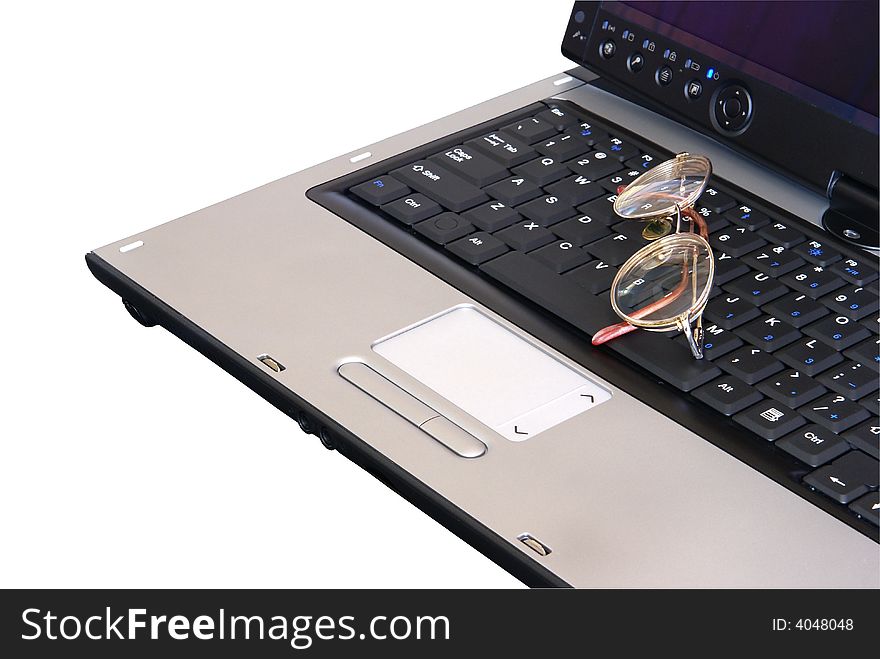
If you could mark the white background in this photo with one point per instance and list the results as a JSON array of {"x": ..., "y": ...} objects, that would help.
[{"x": 128, "y": 459}]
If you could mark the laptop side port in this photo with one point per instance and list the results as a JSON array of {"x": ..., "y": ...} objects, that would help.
[
  {"x": 271, "y": 364},
  {"x": 534, "y": 544}
]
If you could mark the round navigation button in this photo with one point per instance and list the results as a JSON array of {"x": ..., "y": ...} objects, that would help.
[
  {"x": 663, "y": 76},
  {"x": 731, "y": 109},
  {"x": 693, "y": 90},
  {"x": 636, "y": 62},
  {"x": 607, "y": 49}
]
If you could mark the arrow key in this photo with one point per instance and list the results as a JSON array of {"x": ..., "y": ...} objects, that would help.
[
  {"x": 865, "y": 437},
  {"x": 847, "y": 478},
  {"x": 868, "y": 507}
]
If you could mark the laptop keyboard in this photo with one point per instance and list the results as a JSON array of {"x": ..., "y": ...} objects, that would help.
[{"x": 792, "y": 323}]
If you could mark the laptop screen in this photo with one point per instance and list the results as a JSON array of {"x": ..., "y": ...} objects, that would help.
[{"x": 822, "y": 52}]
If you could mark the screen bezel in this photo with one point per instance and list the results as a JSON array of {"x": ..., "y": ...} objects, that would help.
[
  {"x": 847, "y": 148},
  {"x": 722, "y": 57}
]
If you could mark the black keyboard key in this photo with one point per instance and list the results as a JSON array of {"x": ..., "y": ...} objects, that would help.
[
  {"x": 558, "y": 118},
  {"x": 818, "y": 253},
  {"x": 617, "y": 148},
  {"x": 797, "y": 309},
  {"x": 716, "y": 341},
  {"x": 444, "y": 228},
  {"x": 595, "y": 276},
  {"x": 871, "y": 403},
  {"x": 530, "y": 130},
  {"x": 770, "y": 419},
  {"x": 380, "y": 190},
  {"x": 575, "y": 190},
  {"x": 471, "y": 165},
  {"x": 791, "y": 387},
  {"x": 714, "y": 222},
  {"x": 613, "y": 249},
  {"x": 847, "y": 478},
  {"x": 850, "y": 379},
  {"x": 546, "y": 210},
  {"x": 730, "y": 311},
  {"x": 561, "y": 256},
  {"x": 526, "y": 235},
  {"x": 813, "y": 445},
  {"x": 557, "y": 294},
  {"x": 749, "y": 364},
  {"x": 748, "y": 218},
  {"x": 587, "y": 133},
  {"x": 728, "y": 268},
  {"x": 727, "y": 394},
  {"x": 856, "y": 271},
  {"x": 810, "y": 356},
  {"x": 814, "y": 280},
  {"x": 506, "y": 150},
  {"x": 868, "y": 507},
  {"x": 612, "y": 183},
  {"x": 865, "y": 437},
  {"x": 643, "y": 163},
  {"x": 477, "y": 248},
  {"x": 514, "y": 190},
  {"x": 854, "y": 302},
  {"x": 562, "y": 147},
  {"x": 835, "y": 412},
  {"x": 717, "y": 201},
  {"x": 581, "y": 230},
  {"x": 783, "y": 234},
  {"x": 412, "y": 208},
  {"x": 756, "y": 288},
  {"x": 768, "y": 333},
  {"x": 594, "y": 165},
  {"x": 492, "y": 216},
  {"x": 601, "y": 210},
  {"x": 439, "y": 184},
  {"x": 736, "y": 241},
  {"x": 867, "y": 352},
  {"x": 542, "y": 171},
  {"x": 773, "y": 260},
  {"x": 666, "y": 359},
  {"x": 839, "y": 332}
]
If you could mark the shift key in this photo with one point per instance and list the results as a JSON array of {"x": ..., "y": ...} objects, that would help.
[{"x": 440, "y": 185}]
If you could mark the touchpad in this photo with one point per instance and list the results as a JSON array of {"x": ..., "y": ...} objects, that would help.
[{"x": 499, "y": 378}]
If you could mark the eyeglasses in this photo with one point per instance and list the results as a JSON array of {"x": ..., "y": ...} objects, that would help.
[{"x": 665, "y": 285}]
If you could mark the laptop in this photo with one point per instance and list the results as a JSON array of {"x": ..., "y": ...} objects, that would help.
[{"x": 431, "y": 314}]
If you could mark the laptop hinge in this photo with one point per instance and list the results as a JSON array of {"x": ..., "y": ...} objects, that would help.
[{"x": 853, "y": 212}]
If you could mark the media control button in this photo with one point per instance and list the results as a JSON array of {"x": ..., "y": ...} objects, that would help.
[
  {"x": 663, "y": 76},
  {"x": 694, "y": 89},
  {"x": 607, "y": 49},
  {"x": 636, "y": 62}
]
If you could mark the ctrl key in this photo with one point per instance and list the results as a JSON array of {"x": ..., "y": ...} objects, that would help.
[{"x": 847, "y": 478}]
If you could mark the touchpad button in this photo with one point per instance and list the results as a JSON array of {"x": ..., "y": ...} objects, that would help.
[{"x": 499, "y": 378}]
